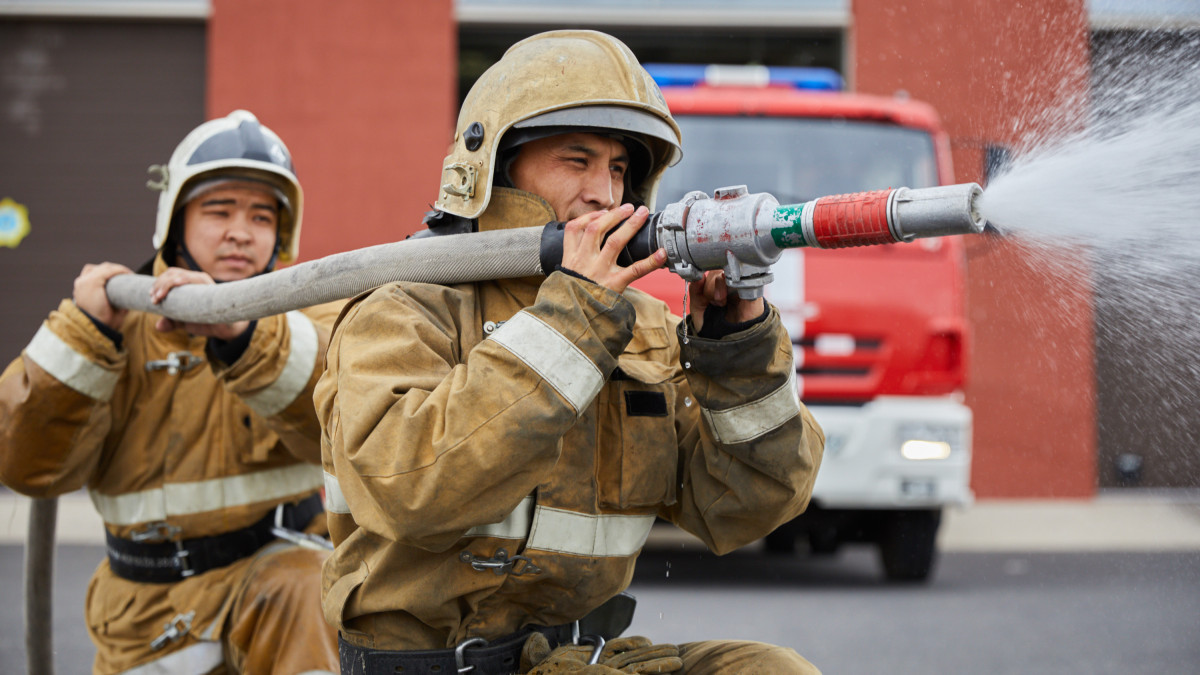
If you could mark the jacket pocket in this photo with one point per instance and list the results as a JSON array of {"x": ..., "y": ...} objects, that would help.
[
  {"x": 254, "y": 440},
  {"x": 109, "y": 598},
  {"x": 338, "y": 597},
  {"x": 638, "y": 456}
]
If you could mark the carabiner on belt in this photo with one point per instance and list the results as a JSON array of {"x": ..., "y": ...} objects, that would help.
[
  {"x": 596, "y": 641},
  {"x": 304, "y": 539}
]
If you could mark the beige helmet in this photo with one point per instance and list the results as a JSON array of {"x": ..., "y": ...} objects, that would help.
[
  {"x": 567, "y": 80},
  {"x": 232, "y": 148}
]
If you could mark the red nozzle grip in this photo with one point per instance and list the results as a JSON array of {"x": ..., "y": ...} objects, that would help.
[{"x": 857, "y": 219}]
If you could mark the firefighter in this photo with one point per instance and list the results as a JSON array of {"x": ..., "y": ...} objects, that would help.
[
  {"x": 197, "y": 444},
  {"x": 496, "y": 452}
]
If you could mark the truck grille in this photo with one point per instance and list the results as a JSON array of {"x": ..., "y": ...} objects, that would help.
[{"x": 849, "y": 370}]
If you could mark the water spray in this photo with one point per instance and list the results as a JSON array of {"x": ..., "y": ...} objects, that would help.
[{"x": 740, "y": 233}]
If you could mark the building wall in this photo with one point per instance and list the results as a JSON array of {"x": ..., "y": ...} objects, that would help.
[
  {"x": 363, "y": 94},
  {"x": 996, "y": 71},
  {"x": 85, "y": 108}
]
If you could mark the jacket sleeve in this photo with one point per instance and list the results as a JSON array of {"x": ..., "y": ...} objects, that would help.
[
  {"x": 749, "y": 450},
  {"x": 427, "y": 442},
  {"x": 276, "y": 374},
  {"x": 55, "y": 405}
]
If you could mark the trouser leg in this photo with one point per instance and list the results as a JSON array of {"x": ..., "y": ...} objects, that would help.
[
  {"x": 276, "y": 625},
  {"x": 738, "y": 657}
]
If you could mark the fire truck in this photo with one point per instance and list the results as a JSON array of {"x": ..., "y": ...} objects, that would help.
[{"x": 879, "y": 333}]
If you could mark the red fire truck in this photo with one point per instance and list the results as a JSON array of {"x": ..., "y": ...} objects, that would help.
[{"x": 880, "y": 332}]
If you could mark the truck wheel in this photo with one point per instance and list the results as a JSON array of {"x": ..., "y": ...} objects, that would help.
[
  {"x": 780, "y": 542},
  {"x": 908, "y": 544},
  {"x": 824, "y": 541}
]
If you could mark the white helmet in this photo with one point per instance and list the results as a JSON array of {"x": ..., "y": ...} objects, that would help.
[{"x": 232, "y": 147}]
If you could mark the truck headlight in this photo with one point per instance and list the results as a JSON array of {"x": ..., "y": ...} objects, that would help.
[
  {"x": 925, "y": 441},
  {"x": 916, "y": 450}
]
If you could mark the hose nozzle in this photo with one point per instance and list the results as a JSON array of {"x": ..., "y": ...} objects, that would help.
[{"x": 744, "y": 234}]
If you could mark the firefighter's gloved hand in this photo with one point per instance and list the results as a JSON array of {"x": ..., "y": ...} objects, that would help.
[
  {"x": 538, "y": 659},
  {"x": 622, "y": 656},
  {"x": 636, "y": 654}
]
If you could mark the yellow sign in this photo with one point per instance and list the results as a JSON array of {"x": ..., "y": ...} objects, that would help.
[{"x": 14, "y": 223}]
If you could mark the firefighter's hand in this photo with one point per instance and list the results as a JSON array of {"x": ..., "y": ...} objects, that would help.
[
  {"x": 89, "y": 293},
  {"x": 586, "y": 252},
  {"x": 620, "y": 656},
  {"x": 177, "y": 276},
  {"x": 711, "y": 290},
  {"x": 636, "y": 654}
]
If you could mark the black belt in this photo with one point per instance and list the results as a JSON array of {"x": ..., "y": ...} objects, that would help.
[
  {"x": 169, "y": 561},
  {"x": 475, "y": 656},
  {"x": 501, "y": 656}
]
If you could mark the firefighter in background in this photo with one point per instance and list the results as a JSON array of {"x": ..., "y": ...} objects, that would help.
[
  {"x": 497, "y": 452},
  {"x": 196, "y": 451}
]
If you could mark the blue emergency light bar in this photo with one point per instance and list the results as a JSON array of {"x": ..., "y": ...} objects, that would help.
[{"x": 690, "y": 75}]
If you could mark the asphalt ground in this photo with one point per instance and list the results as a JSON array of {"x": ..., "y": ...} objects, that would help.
[{"x": 1107, "y": 585}]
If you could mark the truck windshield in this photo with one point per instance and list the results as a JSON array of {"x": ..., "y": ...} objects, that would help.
[{"x": 797, "y": 159}]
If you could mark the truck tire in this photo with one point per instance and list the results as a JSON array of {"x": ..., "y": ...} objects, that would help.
[
  {"x": 908, "y": 544},
  {"x": 780, "y": 542},
  {"x": 824, "y": 541}
]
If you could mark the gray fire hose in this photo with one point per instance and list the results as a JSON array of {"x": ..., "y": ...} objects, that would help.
[
  {"x": 740, "y": 233},
  {"x": 449, "y": 259},
  {"x": 39, "y": 576}
]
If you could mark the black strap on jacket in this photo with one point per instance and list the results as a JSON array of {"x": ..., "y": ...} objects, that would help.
[{"x": 170, "y": 561}]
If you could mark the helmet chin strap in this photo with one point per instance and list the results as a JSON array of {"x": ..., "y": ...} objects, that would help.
[{"x": 181, "y": 251}]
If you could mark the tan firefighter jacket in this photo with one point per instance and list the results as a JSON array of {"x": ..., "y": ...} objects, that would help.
[
  {"x": 496, "y": 453},
  {"x": 157, "y": 435}
]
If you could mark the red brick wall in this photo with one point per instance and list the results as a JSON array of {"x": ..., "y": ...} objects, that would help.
[
  {"x": 991, "y": 68},
  {"x": 362, "y": 92}
]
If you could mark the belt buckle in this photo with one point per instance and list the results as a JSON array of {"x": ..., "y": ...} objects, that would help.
[
  {"x": 181, "y": 555},
  {"x": 460, "y": 657},
  {"x": 162, "y": 531}
]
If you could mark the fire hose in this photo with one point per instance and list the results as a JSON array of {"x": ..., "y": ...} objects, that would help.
[{"x": 741, "y": 233}]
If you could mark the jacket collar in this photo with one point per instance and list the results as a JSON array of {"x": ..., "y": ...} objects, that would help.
[{"x": 511, "y": 208}]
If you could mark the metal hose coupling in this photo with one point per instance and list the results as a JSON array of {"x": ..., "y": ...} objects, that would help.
[
  {"x": 744, "y": 234},
  {"x": 891, "y": 216}
]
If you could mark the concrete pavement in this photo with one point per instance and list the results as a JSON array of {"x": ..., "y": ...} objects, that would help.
[
  {"x": 1113, "y": 521},
  {"x": 1126, "y": 520}
]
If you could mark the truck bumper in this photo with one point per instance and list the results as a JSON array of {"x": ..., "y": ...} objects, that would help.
[{"x": 865, "y": 465}]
